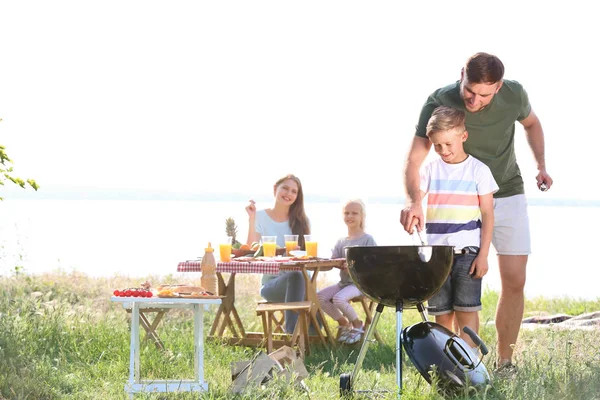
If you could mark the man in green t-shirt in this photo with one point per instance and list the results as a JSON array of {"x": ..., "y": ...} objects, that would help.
[{"x": 492, "y": 105}]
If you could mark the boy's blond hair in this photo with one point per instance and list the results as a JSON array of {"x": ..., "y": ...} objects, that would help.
[{"x": 446, "y": 118}]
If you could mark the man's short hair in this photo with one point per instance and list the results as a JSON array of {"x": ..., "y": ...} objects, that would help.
[
  {"x": 484, "y": 68},
  {"x": 445, "y": 118}
]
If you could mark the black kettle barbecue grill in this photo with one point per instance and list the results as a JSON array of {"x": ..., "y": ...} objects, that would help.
[{"x": 403, "y": 276}]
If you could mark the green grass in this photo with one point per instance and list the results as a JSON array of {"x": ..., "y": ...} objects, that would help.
[{"x": 62, "y": 338}]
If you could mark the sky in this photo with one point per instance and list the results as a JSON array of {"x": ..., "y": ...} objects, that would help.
[{"x": 228, "y": 96}]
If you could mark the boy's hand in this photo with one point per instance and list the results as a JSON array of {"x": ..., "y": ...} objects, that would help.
[{"x": 479, "y": 267}]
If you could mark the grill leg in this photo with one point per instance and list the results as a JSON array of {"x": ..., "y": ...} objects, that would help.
[
  {"x": 422, "y": 311},
  {"x": 399, "y": 309},
  {"x": 366, "y": 341}
]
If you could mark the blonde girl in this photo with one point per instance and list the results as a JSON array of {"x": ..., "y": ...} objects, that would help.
[{"x": 335, "y": 299}]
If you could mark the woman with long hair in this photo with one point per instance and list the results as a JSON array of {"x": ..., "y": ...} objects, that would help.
[{"x": 286, "y": 217}]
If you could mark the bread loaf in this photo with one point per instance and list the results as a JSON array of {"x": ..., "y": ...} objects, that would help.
[{"x": 182, "y": 289}]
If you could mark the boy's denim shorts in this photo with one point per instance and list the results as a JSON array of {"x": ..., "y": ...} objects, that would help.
[{"x": 461, "y": 292}]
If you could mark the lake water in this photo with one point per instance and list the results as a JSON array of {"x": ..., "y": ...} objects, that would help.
[{"x": 137, "y": 238}]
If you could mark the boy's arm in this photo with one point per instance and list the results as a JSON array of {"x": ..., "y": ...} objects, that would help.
[
  {"x": 480, "y": 266},
  {"x": 486, "y": 204}
]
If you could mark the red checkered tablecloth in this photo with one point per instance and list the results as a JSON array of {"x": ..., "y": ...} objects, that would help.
[
  {"x": 255, "y": 267},
  {"x": 235, "y": 266}
]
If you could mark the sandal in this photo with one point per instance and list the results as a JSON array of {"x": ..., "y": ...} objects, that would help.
[
  {"x": 344, "y": 333},
  {"x": 355, "y": 335},
  {"x": 507, "y": 370}
]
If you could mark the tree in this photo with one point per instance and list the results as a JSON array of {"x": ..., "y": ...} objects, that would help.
[{"x": 6, "y": 170}]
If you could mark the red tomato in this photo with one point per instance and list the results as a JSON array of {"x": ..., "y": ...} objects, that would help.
[
  {"x": 117, "y": 293},
  {"x": 128, "y": 293}
]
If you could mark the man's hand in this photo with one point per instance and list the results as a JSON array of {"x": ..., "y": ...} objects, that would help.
[
  {"x": 543, "y": 178},
  {"x": 479, "y": 267},
  {"x": 411, "y": 216}
]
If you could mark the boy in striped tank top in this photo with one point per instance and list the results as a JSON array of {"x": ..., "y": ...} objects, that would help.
[{"x": 460, "y": 213}]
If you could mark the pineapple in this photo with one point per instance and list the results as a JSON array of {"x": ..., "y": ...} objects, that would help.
[{"x": 231, "y": 230}]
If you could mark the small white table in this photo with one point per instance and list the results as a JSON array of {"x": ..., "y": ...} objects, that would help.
[{"x": 135, "y": 384}]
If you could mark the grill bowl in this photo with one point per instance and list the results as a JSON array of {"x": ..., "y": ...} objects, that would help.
[{"x": 390, "y": 274}]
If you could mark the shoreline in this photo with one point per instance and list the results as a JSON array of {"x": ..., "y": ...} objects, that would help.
[
  {"x": 106, "y": 194},
  {"x": 325, "y": 279}
]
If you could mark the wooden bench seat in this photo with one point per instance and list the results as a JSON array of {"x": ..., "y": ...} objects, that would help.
[{"x": 273, "y": 323}]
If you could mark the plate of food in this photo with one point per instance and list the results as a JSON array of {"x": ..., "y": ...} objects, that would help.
[
  {"x": 166, "y": 294},
  {"x": 245, "y": 250},
  {"x": 274, "y": 259},
  {"x": 179, "y": 291},
  {"x": 204, "y": 295},
  {"x": 242, "y": 252},
  {"x": 245, "y": 259}
]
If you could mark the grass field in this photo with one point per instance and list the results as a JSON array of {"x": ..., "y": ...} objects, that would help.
[{"x": 62, "y": 338}]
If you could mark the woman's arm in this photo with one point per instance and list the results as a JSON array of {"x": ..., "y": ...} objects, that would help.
[{"x": 253, "y": 236}]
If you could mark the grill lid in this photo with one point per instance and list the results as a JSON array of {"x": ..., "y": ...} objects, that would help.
[{"x": 434, "y": 349}]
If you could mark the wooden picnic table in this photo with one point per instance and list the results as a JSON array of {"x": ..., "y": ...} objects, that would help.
[{"x": 227, "y": 316}]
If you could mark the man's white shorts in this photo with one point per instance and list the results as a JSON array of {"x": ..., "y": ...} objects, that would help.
[{"x": 511, "y": 226}]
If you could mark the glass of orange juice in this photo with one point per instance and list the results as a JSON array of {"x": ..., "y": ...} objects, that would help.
[
  {"x": 225, "y": 249},
  {"x": 291, "y": 243},
  {"x": 269, "y": 245},
  {"x": 311, "y": 245}
]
